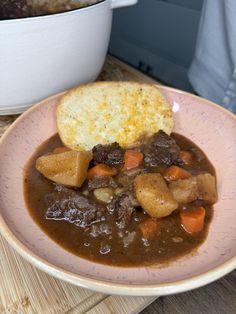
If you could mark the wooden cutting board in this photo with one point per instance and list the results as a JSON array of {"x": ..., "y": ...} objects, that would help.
[{"x": 25, "y": 289}]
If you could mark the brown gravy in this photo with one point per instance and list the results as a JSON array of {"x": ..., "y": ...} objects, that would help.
[{"x": 111, "y": 245}]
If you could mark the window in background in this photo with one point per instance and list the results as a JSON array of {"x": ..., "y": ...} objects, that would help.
[{"x": 158, "y": 37}]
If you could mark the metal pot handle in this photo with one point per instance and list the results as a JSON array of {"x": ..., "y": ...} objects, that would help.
[{"x": 122, "y": 3}]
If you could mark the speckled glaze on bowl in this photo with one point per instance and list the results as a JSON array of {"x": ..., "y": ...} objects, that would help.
[{"x": 208, "y": 125}]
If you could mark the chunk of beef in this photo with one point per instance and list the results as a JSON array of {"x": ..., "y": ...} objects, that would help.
[
  {"x": 13, "y": 9},
  {"x": 73, "y": 207},
  {"x": 161, "y": 149},
  {"x": 101, "y": 182},
  {"x": 111, "y": 154},
  {"x": 123, "y": 206},
  {"x": 126, "y": 178}
]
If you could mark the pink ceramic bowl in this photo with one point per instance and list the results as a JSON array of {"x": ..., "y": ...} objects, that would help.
[{"x": 208, "y": 125}]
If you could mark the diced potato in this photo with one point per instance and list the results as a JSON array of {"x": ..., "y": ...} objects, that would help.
[
  {"x": 153, "y": 195},
  {"x": 207, "y": 187},
  {"x": 104, "y": 194},
  {"x": 149, "y": 228},
  {"x": 67, "y": 168},
  {"x": 184, "y": 191}
]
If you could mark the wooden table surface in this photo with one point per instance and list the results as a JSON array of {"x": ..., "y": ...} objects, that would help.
[
  {"x": 216, "y": 298},
  {"x": 19, "y": 293}
]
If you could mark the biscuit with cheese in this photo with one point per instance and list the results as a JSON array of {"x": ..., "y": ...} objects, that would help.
[{"x": 107, "y": 112}]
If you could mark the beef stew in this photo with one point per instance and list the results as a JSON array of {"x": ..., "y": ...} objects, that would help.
[
  {"x": 13, "y": 9},
  {"x": 147, "y": 205}
]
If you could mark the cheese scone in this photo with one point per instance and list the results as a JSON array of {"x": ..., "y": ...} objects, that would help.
[{"x": 107, "y": 112}]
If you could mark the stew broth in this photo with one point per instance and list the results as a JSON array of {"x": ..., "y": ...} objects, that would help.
[{"x": 104, "y": 242}]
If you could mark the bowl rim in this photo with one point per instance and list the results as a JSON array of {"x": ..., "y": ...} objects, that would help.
[
  {"x": 105, "y": 286},
  {"x": 50, "y": 15}
]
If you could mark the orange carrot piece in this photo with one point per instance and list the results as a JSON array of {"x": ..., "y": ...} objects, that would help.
[
  {"x": 174, "y": 173},
  {"x": 132, "y": 159},
  {"x": 101, "y": 170},
  {"x": 186, "y": 156},
  {"x": 192, "y": 221},
  {"x": 61, "y": 149},
  {"x": 149, "y": 228}
]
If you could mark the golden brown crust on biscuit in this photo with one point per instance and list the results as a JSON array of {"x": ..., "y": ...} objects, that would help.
[{"x": 105, "y": 112}]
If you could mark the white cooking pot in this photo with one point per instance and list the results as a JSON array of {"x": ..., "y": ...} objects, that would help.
[{"x": 40, "y": 56}]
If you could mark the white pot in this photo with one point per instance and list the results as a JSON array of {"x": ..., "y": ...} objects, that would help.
[{"x": 40, "y": 56}]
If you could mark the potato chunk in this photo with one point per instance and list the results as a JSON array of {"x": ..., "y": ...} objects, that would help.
[
  {"x": 207, "y": 187},
  {"x": 104, "y": 195},
  {"x": 184, "y": 191},
  {"x": 68, "y": 168},
  {"x": 153, "y": 195}
]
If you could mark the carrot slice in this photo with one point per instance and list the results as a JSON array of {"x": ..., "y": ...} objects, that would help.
[
  {"x": 186, "y": 156},
  {"x": 149, "y": 228},
  {"x": 132, "y": 159},
  {"x": 61, "y": 149},
  {"x": 174, "y": 173},
  {"x": 192, "y": 221},
  {"x": 101, "y": 170}
]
